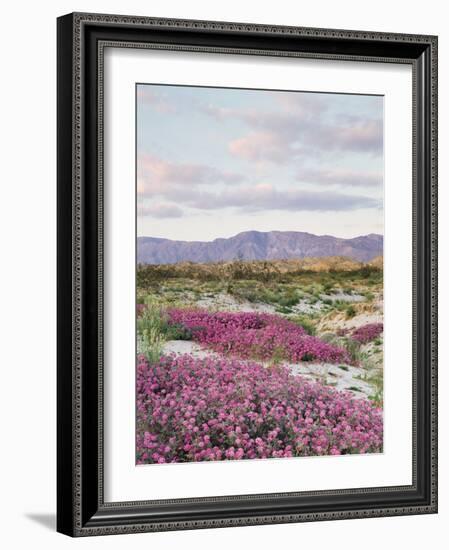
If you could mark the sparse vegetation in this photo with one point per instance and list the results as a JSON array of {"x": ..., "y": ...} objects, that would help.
[
  {"x": 327, "y": 272},
  {"x": 151, "y": 327}
]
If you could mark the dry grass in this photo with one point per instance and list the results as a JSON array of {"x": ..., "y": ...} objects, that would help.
[{"x": 258, "y": 270}]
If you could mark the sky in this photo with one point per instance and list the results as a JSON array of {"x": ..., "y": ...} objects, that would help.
[{"x": 213, "y": 162}]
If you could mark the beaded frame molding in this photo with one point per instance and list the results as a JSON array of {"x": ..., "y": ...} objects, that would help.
[{"x": 82, "y": 37}]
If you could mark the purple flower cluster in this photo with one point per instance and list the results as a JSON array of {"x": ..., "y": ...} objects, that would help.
[
  {"x": 367, "y": 333},
  {"x": 255, "y": 336},
  {"x": 191, "y": 409}
]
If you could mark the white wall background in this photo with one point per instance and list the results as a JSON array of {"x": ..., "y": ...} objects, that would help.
[{"x": 27, "y": 289}]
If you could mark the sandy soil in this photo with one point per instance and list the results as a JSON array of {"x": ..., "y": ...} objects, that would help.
[
  {"x": 334, "y": 321},
  {"x": 226, "y": 302},
  {"x": 182, "y": 347},
  {"x": 343, "y": 297}
]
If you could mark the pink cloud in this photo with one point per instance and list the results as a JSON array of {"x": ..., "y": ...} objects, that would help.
[
  {"x": 260, "y": 146},
  {"x": 278, "y": 139},
  {"x": 299, "y": 124},
  {"x": 361, "y": 135},
  {"x": 156, "y": 175},
  {"x": 301, "y": 104}
]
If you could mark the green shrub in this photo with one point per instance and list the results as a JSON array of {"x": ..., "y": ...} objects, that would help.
[
  {"x": 328, "y": 287},
  {"x": 350, "y": 312},
  {"x": 177, "y": 332},
  {"x": 305, "y": 322},
  {"x": 353, "y": 348},
  {"x": 283, "y": 309},
  {"x": 288, "y": 301},
  {"x": 330, "y": 338},
  {"x": 339, "y": 305},
  {"x": 150, "y": 331}
]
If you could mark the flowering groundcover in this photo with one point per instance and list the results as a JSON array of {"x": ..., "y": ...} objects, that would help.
[
  {"x": 191, "y": 409},
  {"x": 367, "y": 333},
  {"x": 260, "y": 336}
]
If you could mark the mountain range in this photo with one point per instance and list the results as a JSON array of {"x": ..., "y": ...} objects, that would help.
[{"x": 257, "y": 245}]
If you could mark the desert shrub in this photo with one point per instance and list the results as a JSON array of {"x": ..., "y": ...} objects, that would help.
[
  {"x": 367, "y": 271},
  {"x": 151, "y": 326},
  {"x": 328, "y": 287},
  {"x": 330, "y": 338},
  {"x": 339, "y": 305},
  {"x": 251, "y": 294},
  {"x": 350, "y": 312},
  {"x": 306, "y": 323},
  {"x": 377, "y": 399},
  {"x": 177, "y": 332},
  {"x": 283, "y": 309},
  {"x": 191, "y": 409},
  {"x": 288, "y": 300},
  {"x": 154, "y": 329},
  {"x": 353, "y": 348}
]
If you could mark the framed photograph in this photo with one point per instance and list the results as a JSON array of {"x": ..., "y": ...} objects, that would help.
[{"x": 247, "y": 278}]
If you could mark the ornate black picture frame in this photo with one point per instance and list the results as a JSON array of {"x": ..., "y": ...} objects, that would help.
[{"x": 81, "y": 510}]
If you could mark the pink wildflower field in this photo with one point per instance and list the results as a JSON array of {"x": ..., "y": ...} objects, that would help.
[
  {"x": 255, "y": 335},
  {"x": 242, "y": 402},
  {"x": 191, "y": 409}
]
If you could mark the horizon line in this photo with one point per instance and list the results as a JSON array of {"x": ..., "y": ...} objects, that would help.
[{"x": 263, "y": 232}]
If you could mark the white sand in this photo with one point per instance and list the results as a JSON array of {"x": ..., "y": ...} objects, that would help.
[{"x": 226, "y": 302}]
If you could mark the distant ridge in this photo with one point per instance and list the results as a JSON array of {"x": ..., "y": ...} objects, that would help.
[{"x": 257, "y": 245}]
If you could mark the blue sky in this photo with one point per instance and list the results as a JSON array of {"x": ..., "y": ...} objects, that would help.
[{"x": 212, "y": 162}]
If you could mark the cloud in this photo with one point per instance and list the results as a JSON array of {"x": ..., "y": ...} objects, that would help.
[
  {"x": 278, "y": 139},
  {"x": 267, "y": 197},
  {"x": 156, "y": 175},
  {"x": 260, "y": 147},
  {"x": 360, "y": 135},
  {"x": 339, "y": 176},
  {"x": 147, "y": 96},
  {"x": 299, "y": 123},
  {"x": 160, "y": 210},
  {"x": 221, "y": 113},
  {"x": 190, "y": 185},
  {"x": 302, "y": 105}
]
